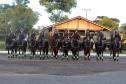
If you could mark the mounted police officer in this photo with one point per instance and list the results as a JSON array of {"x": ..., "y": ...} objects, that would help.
[
  {"x": 41, "y": 35},
  {"x": 56, "y": 35},
  {"x": 100, "y": 36},
  {"x": 88, "y": 33},
  {"x": 66, "y": 34},
  {"x": 12, "y": 35},
  {"x": 76, "y": 35},
  {"x": 21, "y": 36},
  {"x": 117, "y": 36},
  {"x": 33, "y": 35}
]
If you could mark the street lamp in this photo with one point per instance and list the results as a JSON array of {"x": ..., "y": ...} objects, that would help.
[{"x": 86, "y": 11}]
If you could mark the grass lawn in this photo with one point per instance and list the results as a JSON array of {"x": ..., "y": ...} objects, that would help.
[{"x": 2, "y": 45}]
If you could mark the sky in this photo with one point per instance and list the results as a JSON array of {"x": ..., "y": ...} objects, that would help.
[{"x": 110, "y": 8}]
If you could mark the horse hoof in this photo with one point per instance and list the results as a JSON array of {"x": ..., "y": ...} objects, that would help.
[
  {"x": 117, "y": 59},
  {"x": 62, "y": 58},
  {"x": 114, "y": 59},
  {"x": 72, "y": 58},
  {"x": 88, "y": 58},
  {"x": 85, "y": 58},
  {"x": 67, "y": 57},
  {"x": 43, "y": 58},
  {"x": 40, "y": 58}
]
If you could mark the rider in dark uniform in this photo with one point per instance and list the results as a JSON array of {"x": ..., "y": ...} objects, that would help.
[
  {"x": 66, "y": 34},
  {"x": 12, "y": 35},
  {"x": 88, "y": 33},
  {"x": 21, "y": 37},
  {"x": 76, "y": 35},
  {"x": 100, "y": 36},
  {"x": 42, "y": 35},
  {"x": 33, "y": 35},
  {"x": 117, "y": 36},
  {"x": 56, "y": 35}
]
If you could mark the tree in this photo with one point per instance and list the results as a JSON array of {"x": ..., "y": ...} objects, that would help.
[
  {"x": 58, "y": 17},
  {"x": 3, "y": 17},
  {"x": 107, "y": 22},
  {"x": 17, "y": 17},
  {"x": 123, "y": 27},
  {"x": 58, "y": 8},
  {"x": 22, "y": 18},
  {"x": 22, "y": 2}
]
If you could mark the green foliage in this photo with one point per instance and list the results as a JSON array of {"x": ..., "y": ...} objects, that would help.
[
  {"x": 107, "y": 22},
  {"x": 123, "y": 27},
  {"x": 22, "y": 2},
  {"x": 58, "y": 17},
  {"x": 57, "y": 8},
  {"x": 16, "y": 18},
  {"x": 2, "y": 45},
  {"x": 22, "y": 18}
]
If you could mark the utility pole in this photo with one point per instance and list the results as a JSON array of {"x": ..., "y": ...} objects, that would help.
[{"x": 86, "y": 11}]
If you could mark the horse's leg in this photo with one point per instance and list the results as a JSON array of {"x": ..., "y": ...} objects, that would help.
[
  {"x": 24, "y": 52},
  {"x": 8, "y": 53},
  {"x": 34, "y": 53},
  {"x": 73, "y": 54},
  {"x": 19, "y": 51},
  {"x": 97, "y": 55},
  {"x": 102, "y": 55},
  {"x": 31, "y": 54},
  {"x": 114, "y": 55},
  {"x": 12, "y": 53},
  {"x": 52, "y": 51},
  {"x": 76, "y": 54},
  {"x": 55, "y": 53},
  {"x": 67, "y": 54},
  {"x": 89, "y": 54},
  {"x": 85, "y": 54},
  {"x": 117, "y": 58},
  {"x": 15, "y": 52},
  {"x": 40, "y": 53},
  {"x": 46, "y": 52}
]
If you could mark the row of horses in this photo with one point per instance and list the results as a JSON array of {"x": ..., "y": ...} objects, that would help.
[{"x": 43, "y": 46}]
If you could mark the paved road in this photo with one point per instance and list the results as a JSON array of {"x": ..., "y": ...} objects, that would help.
[
  {"x": 102, "y": 78},
  {"x": 26, "y": 71}
]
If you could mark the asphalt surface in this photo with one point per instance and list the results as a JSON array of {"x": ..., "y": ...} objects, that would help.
[
  {"x": 102, "y": 78},
  {"x": 52, "y": 71}
]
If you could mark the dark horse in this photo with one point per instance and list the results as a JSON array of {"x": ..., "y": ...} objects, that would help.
[
  {"x": 11, "y": 45},
  {"x": 115, "y": 47},
  {"x": 87, "y": 46},
  {"x": 32, "y": 45},
  {"x": 43, "y": 46},
  {"x": 54, "y": 46},
  {"x": 8, "y": 42},
  {"x": 99, "y": 48},
  {"x": 22, "y": 47},
  {"x": 75, "y": 49},
  {"x": 40, "y": 46},
  {"x": 66, "y": 47}
]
